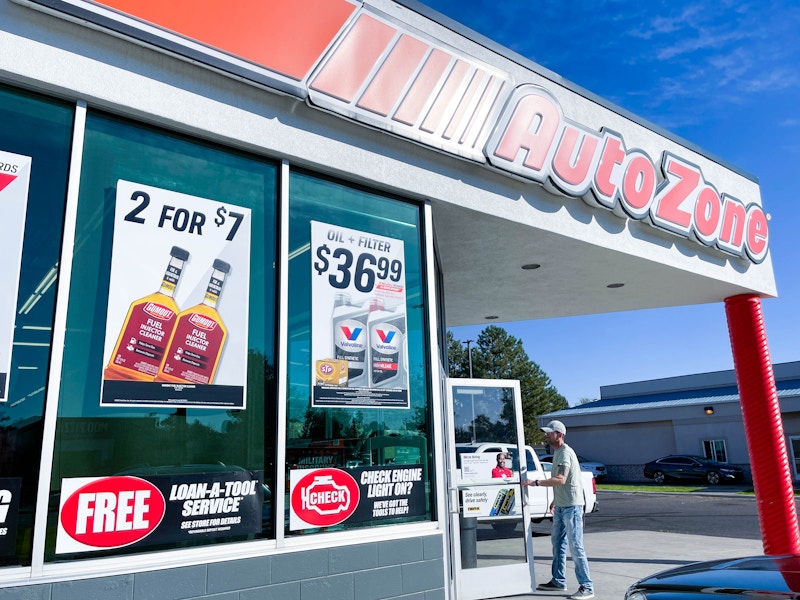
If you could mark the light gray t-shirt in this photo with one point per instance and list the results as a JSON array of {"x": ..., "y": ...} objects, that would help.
[{"x": 571, "y": 493}]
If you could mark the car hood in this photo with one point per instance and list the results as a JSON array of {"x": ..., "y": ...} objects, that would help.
[{"x": 777, "y": 575}]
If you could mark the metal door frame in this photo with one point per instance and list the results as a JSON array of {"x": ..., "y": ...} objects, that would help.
[{"x": 485, "y": 582}]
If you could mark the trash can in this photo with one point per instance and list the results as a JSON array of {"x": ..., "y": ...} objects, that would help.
[{"x": 469, "y": 542}]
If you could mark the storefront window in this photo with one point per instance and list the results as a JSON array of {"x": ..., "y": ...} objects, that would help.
[
  {"x": 35, "y": 138},
  {"x": 358, "y": 428},
  {"x": 165, "y": 434}
]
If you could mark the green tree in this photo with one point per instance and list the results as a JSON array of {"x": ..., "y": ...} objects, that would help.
[
  {"x": 457, "y": 357},
  {"x": 498, "y": 355}
]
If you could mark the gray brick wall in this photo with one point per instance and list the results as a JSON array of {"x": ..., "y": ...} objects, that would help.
[{"x": 408, "y": 569}]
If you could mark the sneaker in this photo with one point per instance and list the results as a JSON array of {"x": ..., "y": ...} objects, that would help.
[
  {"x": 551, "y": 587},
  {"x": 582, "y": 594}
]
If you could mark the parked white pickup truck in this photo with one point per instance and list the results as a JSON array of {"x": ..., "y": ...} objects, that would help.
[{"x": 538, "y": 499}]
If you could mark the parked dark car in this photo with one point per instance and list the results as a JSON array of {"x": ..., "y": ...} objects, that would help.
[
  {"x": 698, "y": 468},
  {"x": 763, "y": 577}
]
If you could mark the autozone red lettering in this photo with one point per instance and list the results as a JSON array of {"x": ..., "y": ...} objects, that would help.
[
  {"x": 530, "y": 131},
  {"x": 534, "y": 140},
  {"x": 638, "y": 185},
  {"x": 574, "y": 161},
  {"x": 707, "y": 215},
  {"x": 734, "y": 215},
  {"x": 612, "y": 158},
  {"x": 683, "y": 182},
  {"x": 757, "y": 242}
]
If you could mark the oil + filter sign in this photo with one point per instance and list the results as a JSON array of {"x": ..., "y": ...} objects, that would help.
[
  {"x": 14, "y": 179},
  {"x": 176, "y": 327},
  {"x": 359, "y": 348},
  {"x": 103, "y": 513},
  {"x": 329, "y": 496}
]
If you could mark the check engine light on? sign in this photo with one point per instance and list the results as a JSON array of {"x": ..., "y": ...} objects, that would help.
[{"x": 534, "y": 140}]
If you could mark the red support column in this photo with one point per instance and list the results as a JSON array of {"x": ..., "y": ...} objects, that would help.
[{"x": 772, "y": 475}]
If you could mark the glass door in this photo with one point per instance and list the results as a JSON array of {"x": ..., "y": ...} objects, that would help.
[{"x": 491, "y": 543}]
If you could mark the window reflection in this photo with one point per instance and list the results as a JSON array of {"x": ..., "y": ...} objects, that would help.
[{"x": 39, "y": 129}]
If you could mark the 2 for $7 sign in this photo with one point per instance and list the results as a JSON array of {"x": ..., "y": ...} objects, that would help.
[{"x": 148, "y": 223}]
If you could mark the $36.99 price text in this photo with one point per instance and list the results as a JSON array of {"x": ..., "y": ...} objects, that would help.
[{"x": 362, "y": 270}]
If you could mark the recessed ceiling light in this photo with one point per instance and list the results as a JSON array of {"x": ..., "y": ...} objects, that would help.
[
  {"x": 530, "y": 266},
  {"x": 491, "y": 317},
  {"x": 615, "y": 285}
]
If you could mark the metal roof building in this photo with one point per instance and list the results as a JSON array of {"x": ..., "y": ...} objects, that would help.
[{"x": 699, "y": 414}]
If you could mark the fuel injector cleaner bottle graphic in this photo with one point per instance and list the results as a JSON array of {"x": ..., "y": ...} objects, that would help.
[
  {"x": 195, "y": 349},
  {"x": 350, "y": 338},
  {"x": 147, "y": 328},
  {"x": 387, "y": 332}
]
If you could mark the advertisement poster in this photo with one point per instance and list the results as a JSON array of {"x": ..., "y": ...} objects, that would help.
[
  {"x": 490, "y": 501},
  {"x": 176, "y": 330},
  {"x": 102, "y": 513},
  {"x": 15, "y": 171},
  {"x": 359, "y": 347},
  {"x": 477, "y": 466},
  {"x": 328, "y": 497},
  {"x": 10, "y": 489}
]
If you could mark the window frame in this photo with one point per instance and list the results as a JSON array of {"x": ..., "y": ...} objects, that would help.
[
  {"x": 712, "y": 450},
  {"x": 42, "y": 553},
  {"x": 421, "y": 239}
]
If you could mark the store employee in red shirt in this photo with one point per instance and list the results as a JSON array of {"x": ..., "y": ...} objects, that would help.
[{"x": 501, "y": 470}]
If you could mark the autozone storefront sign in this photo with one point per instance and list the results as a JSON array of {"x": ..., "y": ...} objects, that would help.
[
  {"x": 349, "y": 59},
  {"x": 533, "y": 139}
]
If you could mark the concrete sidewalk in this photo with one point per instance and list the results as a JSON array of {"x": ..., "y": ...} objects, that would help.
[{"x": 619, "y": 558}]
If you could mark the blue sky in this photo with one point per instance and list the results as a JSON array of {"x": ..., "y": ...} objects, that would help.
[{"x": 723, "y": 75}]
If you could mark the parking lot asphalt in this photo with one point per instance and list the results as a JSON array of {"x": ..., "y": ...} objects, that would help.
[{"x": 617, "y": 559}]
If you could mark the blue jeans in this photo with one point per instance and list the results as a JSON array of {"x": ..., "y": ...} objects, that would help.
[{"x": 568, "y": 527}]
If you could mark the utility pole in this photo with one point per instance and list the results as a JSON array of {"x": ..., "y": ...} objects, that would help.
[{"x": 469, "y": 355}]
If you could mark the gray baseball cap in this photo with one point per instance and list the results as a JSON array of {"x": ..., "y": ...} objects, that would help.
[{"x": 556, "y": 426}]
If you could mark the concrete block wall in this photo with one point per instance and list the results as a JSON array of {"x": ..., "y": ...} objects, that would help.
[{"x": 408, "y": 569}]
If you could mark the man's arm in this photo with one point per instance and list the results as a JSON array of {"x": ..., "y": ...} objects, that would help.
[{"x": 560, "y": 478}]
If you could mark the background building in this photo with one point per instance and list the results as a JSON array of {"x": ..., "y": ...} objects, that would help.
[{"x": 634, "y": 423}]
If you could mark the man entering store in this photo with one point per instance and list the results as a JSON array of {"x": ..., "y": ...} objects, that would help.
[{"x": 567, "y": 507}]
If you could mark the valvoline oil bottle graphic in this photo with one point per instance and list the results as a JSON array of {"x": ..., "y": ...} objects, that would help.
[
  {"x": 350, "y": 338},
  {"x": 147, "y": 328},
  {"x": 387, "y": 333}
]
